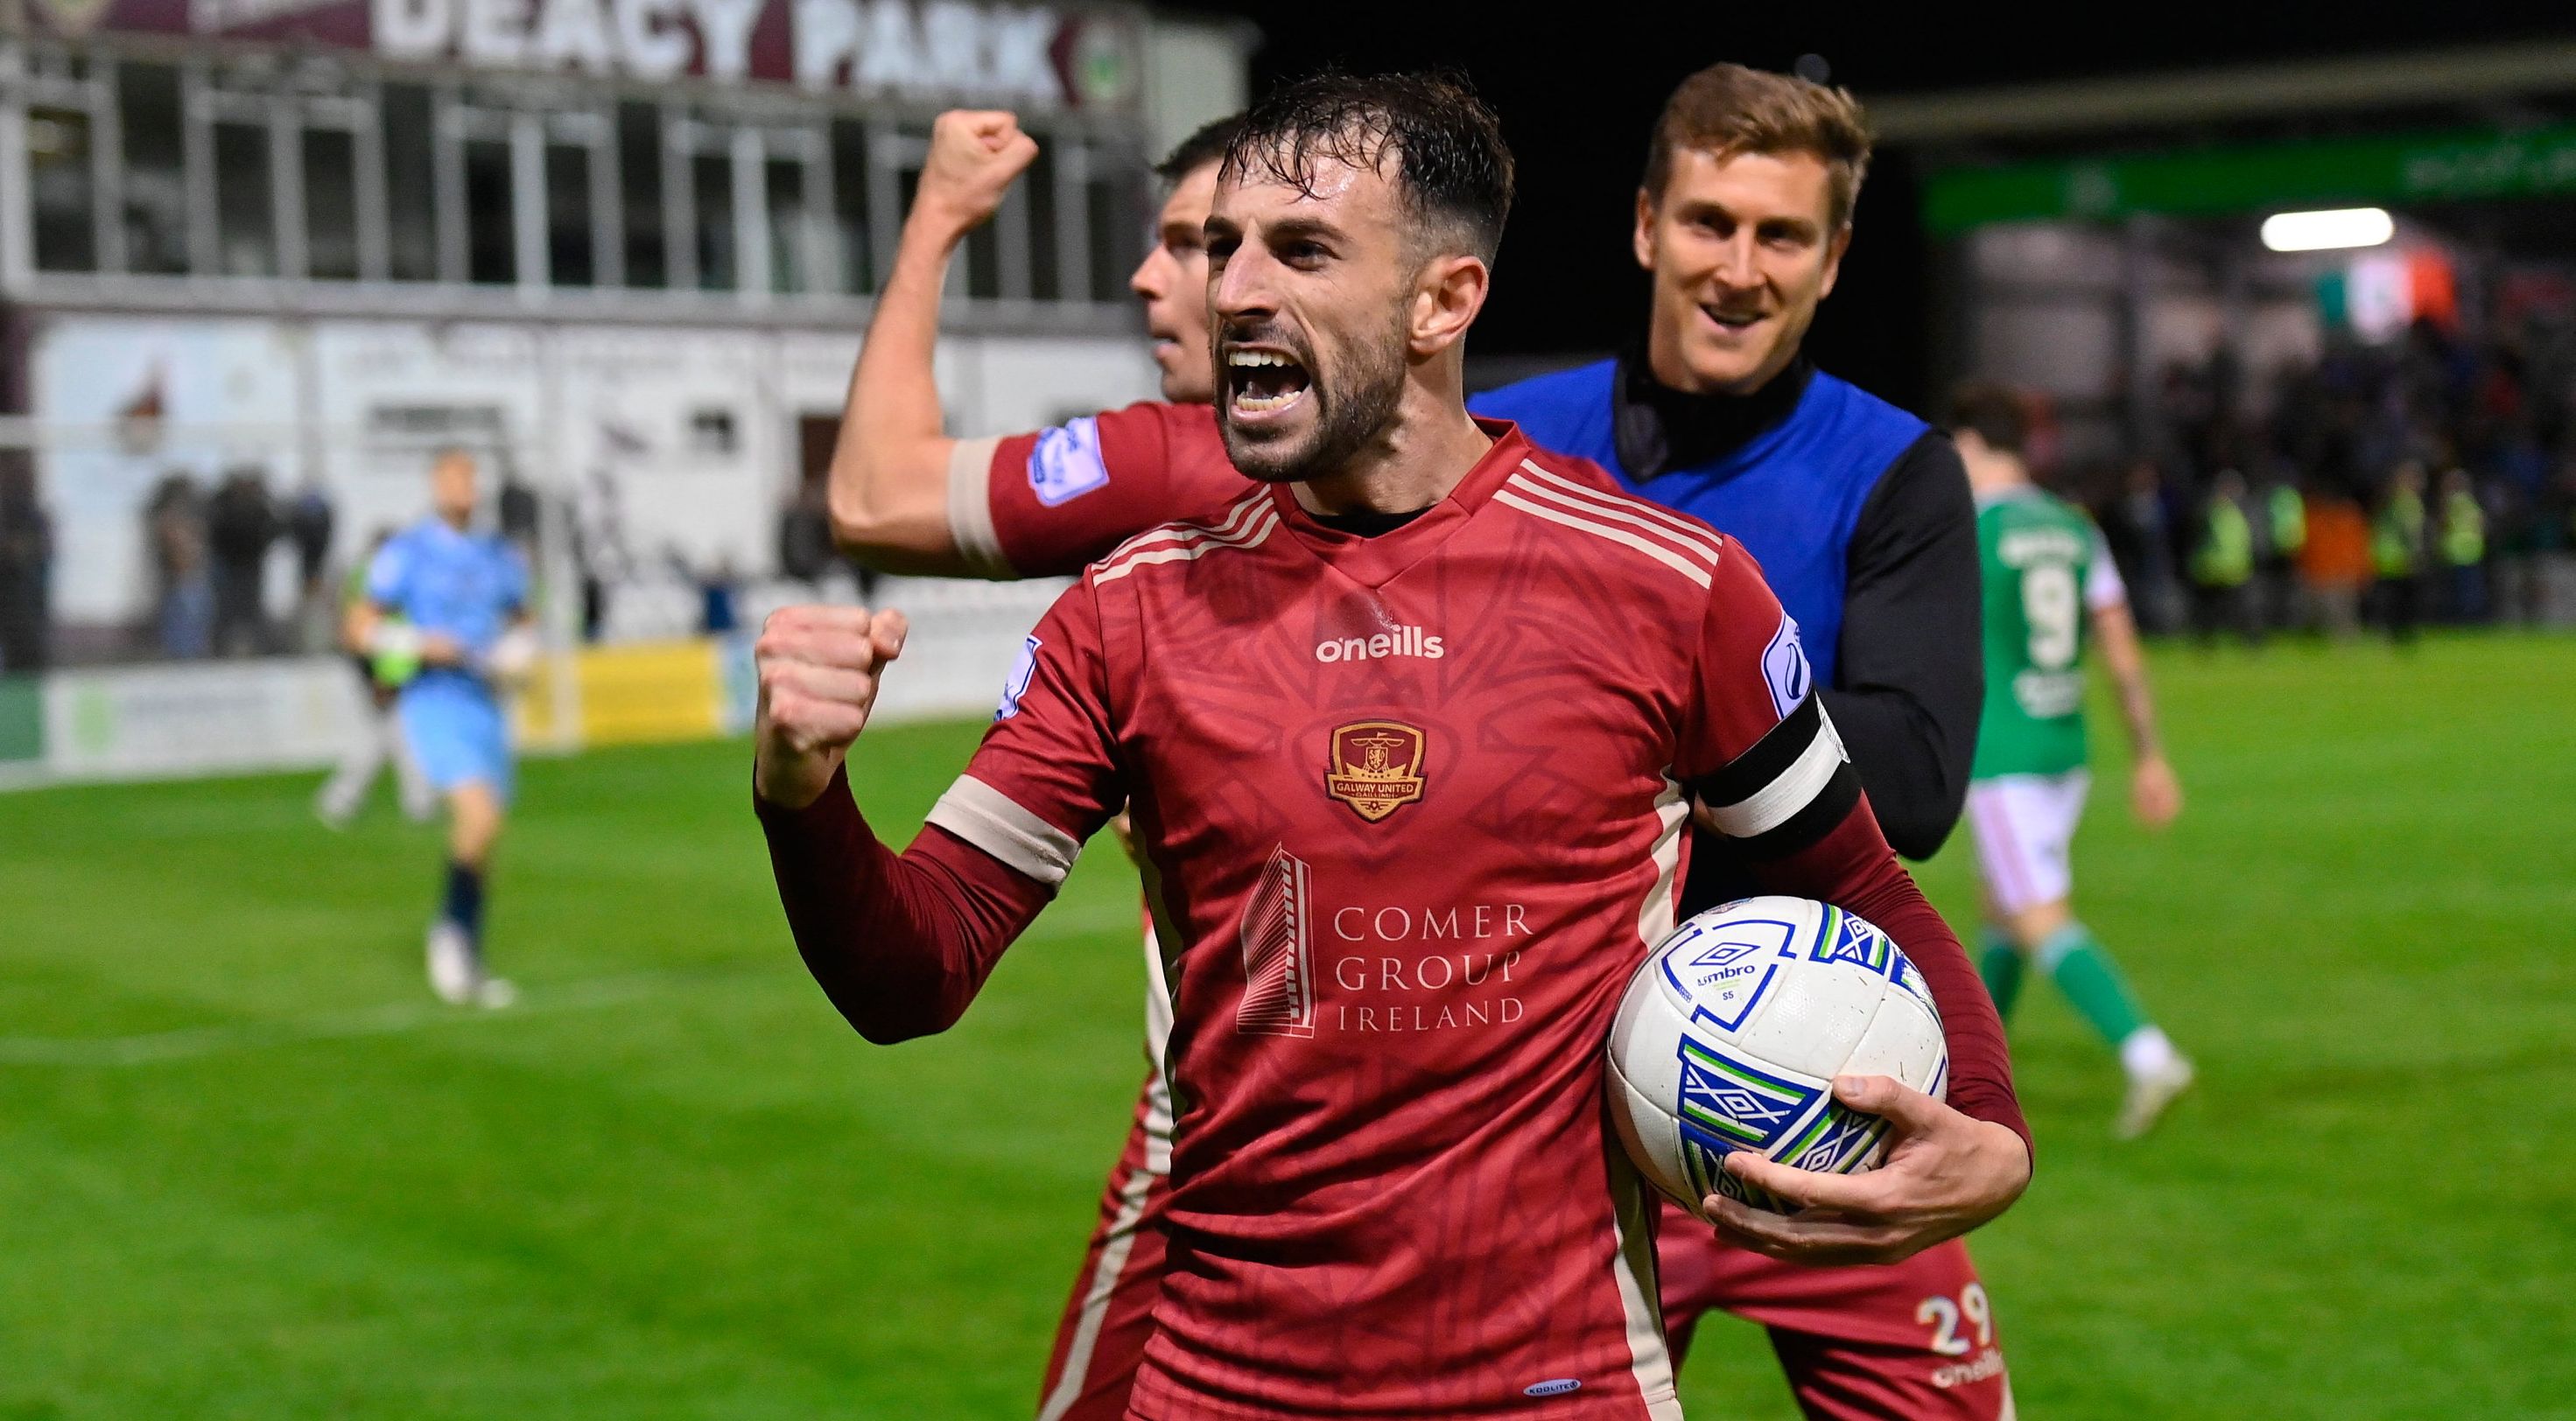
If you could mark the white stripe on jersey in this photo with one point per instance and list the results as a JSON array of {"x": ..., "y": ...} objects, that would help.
[
  {"x": 970, "y": 508},
  {"x": 1793, "y": 789},
  {"x": 1632, "y": 1261},
  {"x": 1627, "y": 510},
  {"x": 994, "y": 822},
  {"x": 1655, "y": 916},
  {"x": 1660, "y": 552},
  {"x": 1234, "y": 521},
  {"x": 1095, "y": 1299},
  {"x": 1264, "y": 523}
]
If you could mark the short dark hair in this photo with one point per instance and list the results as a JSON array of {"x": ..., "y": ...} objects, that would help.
[
  {"x": 1996, "y": 414},
  {"x": 1728, "y": 109},
  {"x": 1452, "y": 167},
  {"x": 1205, "y": 146}
]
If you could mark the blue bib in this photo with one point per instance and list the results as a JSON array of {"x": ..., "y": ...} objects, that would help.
[{"x": 1792, "y": 494}]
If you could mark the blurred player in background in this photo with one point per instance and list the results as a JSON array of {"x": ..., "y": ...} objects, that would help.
[
  {"x": 379, "y": 739},
  {"x": 454, "y": 600},
  {"x": 2048, "y": 576},
  {"x": 907, "y": 496},
  {"x": 1859, "y": 512},
  {"x": 1328, "y": 1163}
]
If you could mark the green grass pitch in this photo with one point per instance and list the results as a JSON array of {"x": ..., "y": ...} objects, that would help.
[{"x": 247, "y": 1170}]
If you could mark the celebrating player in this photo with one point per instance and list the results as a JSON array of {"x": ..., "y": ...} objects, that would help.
[
  {"x": 910, "y": 497},
  {"x": 454, "y": 601},
  {"x": 2048, "y": 574},
  {"x": 1403, "y": 843},
  {"x": 1859, "y": 511}
]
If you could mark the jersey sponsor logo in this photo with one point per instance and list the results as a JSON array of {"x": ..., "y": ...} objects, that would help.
[
  {"x": 1067, "y": 462},
  {"x": 1403, "y": 641},
  {"x": 1375, "y": 767},
  {"x": 1785, "y": 669},
  {"x": 1278, "y": 979},
  {"x": 1015, "y": 685},
  {"x": 1553, "y": 1386}
]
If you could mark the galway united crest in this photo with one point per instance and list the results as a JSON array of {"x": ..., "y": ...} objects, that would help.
[{"x": 1375, "y": 767}]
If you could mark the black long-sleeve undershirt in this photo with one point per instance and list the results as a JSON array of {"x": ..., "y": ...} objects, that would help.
[
  {"x": 1909, "y": 674},
  {"x": 1909, "y": 677}
]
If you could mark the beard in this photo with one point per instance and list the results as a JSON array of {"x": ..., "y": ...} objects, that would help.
[{"x": 1353, "y": 405}]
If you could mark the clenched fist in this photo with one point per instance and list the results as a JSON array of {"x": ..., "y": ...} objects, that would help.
[
  {"x": 819, "y": 671},
  {"x": 975, "y": 154}
]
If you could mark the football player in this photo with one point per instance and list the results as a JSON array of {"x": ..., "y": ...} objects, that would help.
[
  {"x": 1390, "y": 1193},
  {"x": 1859, "y": 511},
  {"x": 2050, "y": 581},
  {"x": 453, "y": 601}
]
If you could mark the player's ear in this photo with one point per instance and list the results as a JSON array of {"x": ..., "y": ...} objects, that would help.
[
  {"x": 1643, "y": 239},
  {"x": 1834, "y": 249},
  {"x": 1447, "y": 300}
]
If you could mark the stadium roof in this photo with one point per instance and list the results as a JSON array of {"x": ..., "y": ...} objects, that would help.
[{"x": 2486, "y": 75}]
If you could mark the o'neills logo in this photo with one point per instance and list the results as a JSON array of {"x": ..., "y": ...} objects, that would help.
[
  {"x": 1375, "y": 767},
  {"x": 1403, "y": 641}
]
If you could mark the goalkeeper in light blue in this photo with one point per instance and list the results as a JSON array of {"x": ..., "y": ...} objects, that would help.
[
  {"x": 2049, "y": 581},
  {"x": 453, "y": 601}
]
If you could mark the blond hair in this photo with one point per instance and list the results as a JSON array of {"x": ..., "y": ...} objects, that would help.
[{"x": 1728, "y": 109}]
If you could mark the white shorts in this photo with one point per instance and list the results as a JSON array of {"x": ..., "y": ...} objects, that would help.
[{"x": 2023, "y": 825}]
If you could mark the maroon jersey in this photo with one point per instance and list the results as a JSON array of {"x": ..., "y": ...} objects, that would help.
[
  {"x": 1045, "y": 503},
  {"x": 1412, "y": 809}
]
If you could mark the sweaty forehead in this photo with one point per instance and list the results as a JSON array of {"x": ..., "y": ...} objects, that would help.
[{"x": 1318, "y": 185}]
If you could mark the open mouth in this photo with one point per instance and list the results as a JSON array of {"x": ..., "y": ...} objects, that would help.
[
  {"x": 1733, "y": 320},
  {"x": 1261, "y": 382}
]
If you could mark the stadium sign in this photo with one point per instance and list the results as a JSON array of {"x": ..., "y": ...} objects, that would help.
[
  {"x": 2452, "y": 167},
  {"x": 932, "y": 51}
]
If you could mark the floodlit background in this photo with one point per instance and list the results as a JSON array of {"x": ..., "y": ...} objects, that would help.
[{"x": 257, "y": 260}]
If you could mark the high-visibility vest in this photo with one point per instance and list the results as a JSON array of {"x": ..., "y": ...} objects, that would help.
[
  {"x": 2225, "y": 557},
  {"x": 2397, "y": 537},
  {"x": 2289, "y": 514},
  {"x": 2464, "y": 530}
]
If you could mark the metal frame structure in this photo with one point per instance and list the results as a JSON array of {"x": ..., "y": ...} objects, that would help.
[{"x": 752, "y": 217}]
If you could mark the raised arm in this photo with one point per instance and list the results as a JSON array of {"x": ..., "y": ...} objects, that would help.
[
  {"x": 901, "y": 943},
  {"x": 889, "y": 481}
]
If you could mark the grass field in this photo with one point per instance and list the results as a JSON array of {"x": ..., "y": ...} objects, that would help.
[{"x": 248, "y": 1171}]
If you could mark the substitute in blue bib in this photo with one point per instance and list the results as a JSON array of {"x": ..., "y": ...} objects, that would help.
[
  {"x": 1858, "y": 511},
  {"x": 452, "y": 601}
]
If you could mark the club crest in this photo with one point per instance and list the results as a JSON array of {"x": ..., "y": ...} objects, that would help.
[{"x": 1375, "y": 767}]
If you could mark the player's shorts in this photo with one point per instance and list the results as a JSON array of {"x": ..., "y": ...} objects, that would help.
[
  {"x": 1915, "y": 1339},
  {"x": 2023, "y": 825},
  {"x": 458, "y": 734},
  {"x": 1109, "y": 1318}
]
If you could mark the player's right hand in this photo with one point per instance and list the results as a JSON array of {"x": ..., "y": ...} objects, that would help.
[
  {"x": 2155, "y": 795},
  {"x": 975, "y": 155},
  {"x": 819, "y": 672}
]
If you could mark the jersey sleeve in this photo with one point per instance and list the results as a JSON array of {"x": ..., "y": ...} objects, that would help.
[
  {"x": 1047, "y": 775},
  {"x": 1770, "y": 773},
  {"x": 389, "y": 574},
  {"x": 2103, "y": 589},
  {"x": 1756, "y": 747},
  {"x": 514, "y": 580},
  {"x": 1046, "y": 503}
]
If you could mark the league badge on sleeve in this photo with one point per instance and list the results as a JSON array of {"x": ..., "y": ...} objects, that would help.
[
  {"x": 1785, "y": 669},
  {"x": 1023, "y": 668},
  {"x": 1067, "y": 462}
]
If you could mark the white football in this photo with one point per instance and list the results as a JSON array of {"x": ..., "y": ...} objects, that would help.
[{"x": 1734, "y": 1028}]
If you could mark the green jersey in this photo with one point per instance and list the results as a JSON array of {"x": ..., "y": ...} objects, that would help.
[{"x": 2045, "y": 568}]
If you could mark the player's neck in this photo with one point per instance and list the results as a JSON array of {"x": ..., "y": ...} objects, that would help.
[{"x": 1413, "y": 462}]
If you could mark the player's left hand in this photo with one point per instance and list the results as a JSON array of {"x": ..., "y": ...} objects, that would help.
[{"x": 1946, "y": 1175}]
